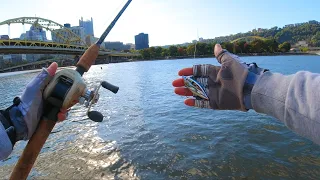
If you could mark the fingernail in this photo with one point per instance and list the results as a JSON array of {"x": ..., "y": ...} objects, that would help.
[{"x": 52, "y": 68}]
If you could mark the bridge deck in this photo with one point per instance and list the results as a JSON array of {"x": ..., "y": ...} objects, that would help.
[{"x": 38, "y": 47}]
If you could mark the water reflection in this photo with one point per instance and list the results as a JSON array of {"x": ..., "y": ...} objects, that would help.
[{"x": 148, "y": 133}]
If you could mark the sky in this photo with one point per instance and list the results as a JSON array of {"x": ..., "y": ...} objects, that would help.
[{"x": 166, "y": 21}]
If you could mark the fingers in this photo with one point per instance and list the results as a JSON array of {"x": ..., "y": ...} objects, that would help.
[
  {"x": 197, "y": 103},
  {"x": 178, "y": 83},
  {"x": 186, "y": 72},
  {"x": 52, "y": 68},
  {"x": 189, "y": 102},
  {"x": 183, "y": 91},
  {"x": 63, "y": 114}
]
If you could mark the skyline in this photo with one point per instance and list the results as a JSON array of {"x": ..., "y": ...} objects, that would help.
[{"x": 166, "y": 22}]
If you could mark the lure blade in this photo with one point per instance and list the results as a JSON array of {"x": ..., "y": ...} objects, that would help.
[{"x": 195, "y": 87}]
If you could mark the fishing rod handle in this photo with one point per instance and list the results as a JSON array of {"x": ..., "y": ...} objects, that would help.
[
  {"x": 32, "y": 150},
  {"x": 87, "y": 59}
]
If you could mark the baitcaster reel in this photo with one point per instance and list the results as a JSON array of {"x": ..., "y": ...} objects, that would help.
[{"x": 67, "y": 88}]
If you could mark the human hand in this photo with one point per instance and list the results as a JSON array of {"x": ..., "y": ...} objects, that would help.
[
  {"x": 227, "y": 86},
  {"x": 26, "y": 116}
]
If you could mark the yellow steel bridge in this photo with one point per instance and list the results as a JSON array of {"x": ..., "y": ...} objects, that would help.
[{"x": 71, "y": 44}]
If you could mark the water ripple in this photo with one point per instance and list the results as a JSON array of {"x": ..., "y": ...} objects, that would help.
[{"x": 148, "y": 133}]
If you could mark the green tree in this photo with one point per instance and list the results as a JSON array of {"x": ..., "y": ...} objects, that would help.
[
  {"x": 315, "y": 40},
  {"x": 165, "y": 52},
  {"x": 173, "y": 51},
  {"x": 271, "y": 45},
  {"x": 201, "y": 48},
  {"x": 190, "y": 49},
  {"x": 285, "y": 47},
  {"x": 258, "y": 46},
  {"x": 152, "y": 52},
  {"x": 145, "y": 53},
  {"x": 210, "y": 48},
  {"x": 158, "y": 52},
  {"x": 228, "y": 46},
  {"x": 304, "y": 49},
  {"x": 241, "y": 45}
]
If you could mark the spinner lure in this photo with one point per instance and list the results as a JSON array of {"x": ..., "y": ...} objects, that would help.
[{"x": 195, "y": 87}]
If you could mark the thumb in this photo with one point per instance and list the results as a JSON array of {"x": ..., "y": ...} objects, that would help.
[
  {"x": 223, "y": 56},
  {"x": 217, "y": 50},
  {"x": 52, "y": 68}
]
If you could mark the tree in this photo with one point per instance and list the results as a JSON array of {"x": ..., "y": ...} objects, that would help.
[
  {"x": 285, "y": 35},
  {"x": 159, "y": 51},
  {"x": 241, "y": 45},
  {"x": 285, "y": 47},
  {"x": 152, "y": 51},
  {"x": 165, "y": 52},
  {"x": 315, "y": 40},
  {"x": 258, "y": 46},
  {"x": 228, "y": 46},
  {"x": 271, "y": 45},
  {"x": 173, "y": 51},
  {"x": 246, "y": 47},
  {"x": 181, "y": 51},
  {"x": 210, "y": 48},
  {"x": 145, "y": 53},
  {"x": 190, "y": 49},
  {"x": 201, "y": 48}
]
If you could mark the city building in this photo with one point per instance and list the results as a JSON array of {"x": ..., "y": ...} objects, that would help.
[
  {"x": 131, "y": 45},
  {"x": 119, "y": 46},
  {"x": 14, "y": 58},
  {"x": 4, "y": 37},
  {"x": 87, "y": 25},
  {"x": 142, "y": 41},
  {"x": 59, "y": 35},
  {"x": 313, "y": 22},
  {"x": 36, "y": 33},
  {"x": 91, "y": 40}
]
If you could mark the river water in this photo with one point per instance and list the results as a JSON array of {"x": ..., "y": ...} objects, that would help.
[{"x": 148, "y": 132}]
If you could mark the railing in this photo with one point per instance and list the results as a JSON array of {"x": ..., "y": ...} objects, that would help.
[{"x": 11, "y": 42}]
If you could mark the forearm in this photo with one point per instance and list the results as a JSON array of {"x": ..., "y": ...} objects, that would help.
[{"x": 292, "y": 99}]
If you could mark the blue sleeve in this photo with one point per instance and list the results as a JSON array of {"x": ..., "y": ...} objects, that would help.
[{"x": 5, "y": 143}]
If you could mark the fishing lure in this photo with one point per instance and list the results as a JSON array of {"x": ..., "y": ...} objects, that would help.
[{"x": 195, "y": 87}]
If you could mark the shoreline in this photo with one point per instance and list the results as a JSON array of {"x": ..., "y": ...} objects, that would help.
[
  {"x": 5, "y": 74},
  {"x": 240, "y": 55},
  {"x": 14, "y": 73}
]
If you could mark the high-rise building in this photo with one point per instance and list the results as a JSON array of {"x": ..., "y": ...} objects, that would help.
[
  {"x": 87, "y": 25},
  {"x": 36, "y": 33},
  {"x": 58, "y": 33},
  {"x": 142, "y": 41}
]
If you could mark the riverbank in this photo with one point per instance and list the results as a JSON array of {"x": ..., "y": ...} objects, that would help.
[
  {"x": 168, "y": 58},
  {"x": 6, "y": 74},
  {"x": 240, "y": 55}
]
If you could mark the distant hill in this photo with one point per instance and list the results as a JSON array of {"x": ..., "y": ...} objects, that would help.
[{"x": 292, "y": 33}]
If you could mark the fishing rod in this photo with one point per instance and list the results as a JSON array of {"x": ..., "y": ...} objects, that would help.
[{"x": 66, "y": 88}]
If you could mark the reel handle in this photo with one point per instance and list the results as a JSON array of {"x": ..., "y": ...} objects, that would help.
[{"x": 110, "y": 87}]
